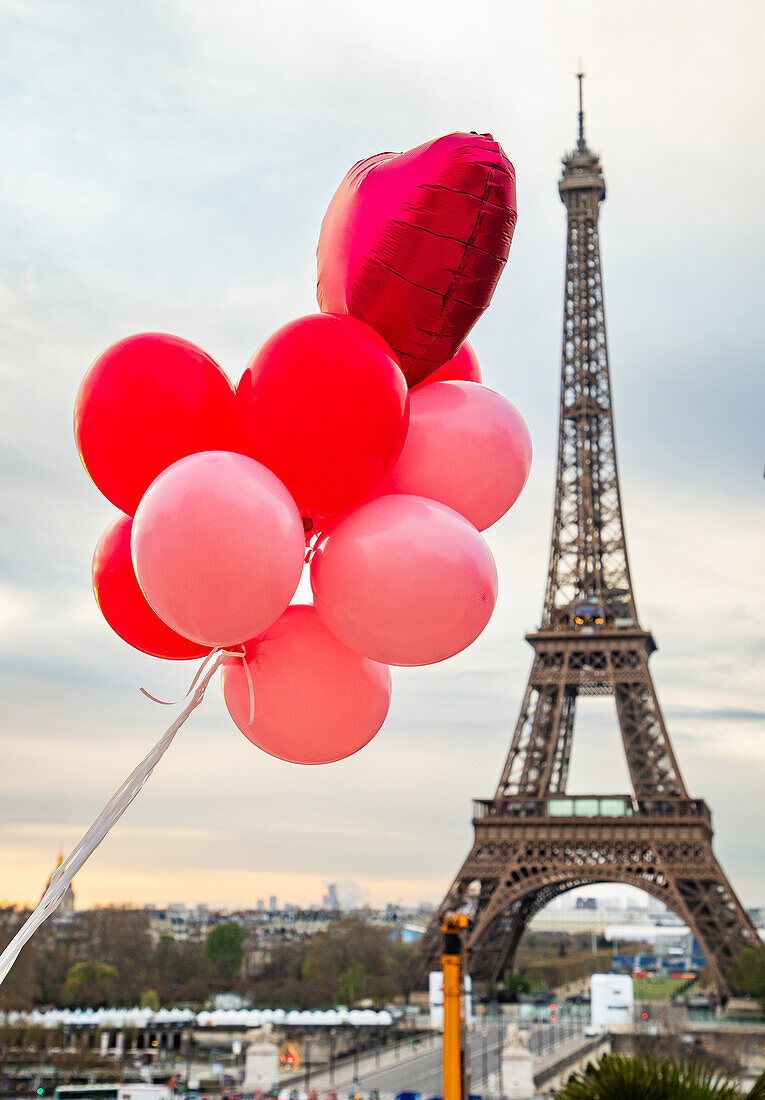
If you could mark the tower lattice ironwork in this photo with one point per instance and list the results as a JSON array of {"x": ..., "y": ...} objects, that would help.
[{"x": 532, "y": 842}]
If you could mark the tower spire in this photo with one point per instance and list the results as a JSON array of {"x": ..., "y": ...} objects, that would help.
[{"x": 581, "y": 144}]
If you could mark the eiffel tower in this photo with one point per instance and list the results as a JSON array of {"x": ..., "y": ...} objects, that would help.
[{"x": 532, "y": 841}]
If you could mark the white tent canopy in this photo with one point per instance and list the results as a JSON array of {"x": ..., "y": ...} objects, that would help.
[{"x": 118, "y": 1018}]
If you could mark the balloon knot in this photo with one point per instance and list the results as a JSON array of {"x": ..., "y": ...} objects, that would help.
[{"x": 241, "y": 653}]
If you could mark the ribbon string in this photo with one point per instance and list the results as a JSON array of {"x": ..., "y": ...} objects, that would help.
[
  {"x": 113, "y": 811},
  {"x": 192, "y": 685},
  {"x": 241, "y": 653}
]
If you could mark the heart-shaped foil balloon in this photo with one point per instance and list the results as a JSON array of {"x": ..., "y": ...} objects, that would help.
[{"x": 413, "y": 244}]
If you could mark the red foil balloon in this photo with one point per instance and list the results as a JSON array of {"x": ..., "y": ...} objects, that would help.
[
  {"x": 324, "y": 405},
  {"x": 124, "y": 605},
  {"x": 146, "y": 402},
  {"x": 464, "y": 367},
  {"x": 414, "y": 243}
]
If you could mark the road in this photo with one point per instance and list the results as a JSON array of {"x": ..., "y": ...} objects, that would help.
[{"x": 419, "y": 1070}]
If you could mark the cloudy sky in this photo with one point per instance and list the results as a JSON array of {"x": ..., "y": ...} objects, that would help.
[{"x": 165, "y": 166}]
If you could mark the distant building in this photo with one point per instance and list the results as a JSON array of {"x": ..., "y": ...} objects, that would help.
[
  {"x": 586, "y": 903},
  {"x": 261, "y": 905},
  {"x": 272, "y": 906},
  {"x": 66, "y": 904},
  {"x": 409, "y": 933},
  {"x": 330, "y": 899}
]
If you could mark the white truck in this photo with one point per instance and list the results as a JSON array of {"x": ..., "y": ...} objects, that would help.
[{"x": 612, "y": 1000}]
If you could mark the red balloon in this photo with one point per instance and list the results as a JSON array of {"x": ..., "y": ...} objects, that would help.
[
  {"x": 147, "y": 401},
  {"x": 123, "y": 604},
  {"x": 324, "y": 405},
  {"x": 464, "y": 367},
  {"x": 414, "y": 244}
]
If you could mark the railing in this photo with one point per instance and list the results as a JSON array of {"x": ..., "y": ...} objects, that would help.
[
  {"x": 679, "y": 807},
  {"x": 592, "y": 806}
]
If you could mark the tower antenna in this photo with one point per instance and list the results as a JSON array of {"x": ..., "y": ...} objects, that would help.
[{"x": 580, "y": 78}]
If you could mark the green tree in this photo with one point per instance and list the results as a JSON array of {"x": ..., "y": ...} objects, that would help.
[
  {"x": 56, "y": 953},
  {"x": 281, "y": 979},
  {"x": 747, "y": 973},
  {"x": 515, "y": 984},
  {"x": 120, "y": 936},
  {"x": 19, "y": 989},
  {"x": 180, "y": 971},
  {"x": 405, "y": 969},
  {"x": 150, "y": 999},
  {"x": 89, "y": 984},
  {"x": 224, "y": 947},
  {"x": 353, "y": 961},
  {"x": 352, "y": 984},
  {"x": 617, "y": 1077}
]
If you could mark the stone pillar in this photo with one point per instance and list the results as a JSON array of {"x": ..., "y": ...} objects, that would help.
[
  {"x": 517, "y": 1066},
  {"x": 261, "y": 1066}
]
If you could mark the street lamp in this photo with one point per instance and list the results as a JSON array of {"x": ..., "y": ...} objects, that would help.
[{"x": 189, "y": 1053}]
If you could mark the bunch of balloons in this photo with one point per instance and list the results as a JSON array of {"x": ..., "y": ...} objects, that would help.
[{"x": 362, "y": 431}]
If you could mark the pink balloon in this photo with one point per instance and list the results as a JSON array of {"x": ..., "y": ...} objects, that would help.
[
  {"x": 404, "y": 580},
  {"x": 315, "y": 700},
  {"x": 462, "y": 367},
  {"x": 218, "y": 547},
  {"x": 467, "y": 446}
]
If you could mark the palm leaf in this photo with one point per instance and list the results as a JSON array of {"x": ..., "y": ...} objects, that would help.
[
  {"x": 618, "y": 1077},
  {"x": 758, "y": 1089}
]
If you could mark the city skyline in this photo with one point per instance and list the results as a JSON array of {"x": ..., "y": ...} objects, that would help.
[
  {"x": 596, "y": 896},
  {"x": 141, "y": 197}
]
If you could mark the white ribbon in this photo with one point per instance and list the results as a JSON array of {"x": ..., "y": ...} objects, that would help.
[
  {"x": 193, "y": 684},
  {"x": 240, "y": 653},
  {"x": 111, "y": 813}
]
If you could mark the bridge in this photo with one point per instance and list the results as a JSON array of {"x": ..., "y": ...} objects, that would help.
[{"x": 415, "y": 1066}]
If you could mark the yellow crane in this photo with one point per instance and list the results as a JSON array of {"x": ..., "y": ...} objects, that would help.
[{"x": 453, "y": 928}]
